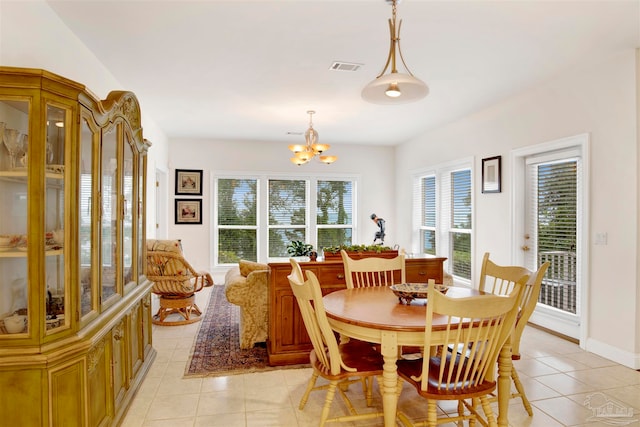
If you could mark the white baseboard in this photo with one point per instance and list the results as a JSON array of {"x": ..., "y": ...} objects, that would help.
[{"x": 626, "y": 358}]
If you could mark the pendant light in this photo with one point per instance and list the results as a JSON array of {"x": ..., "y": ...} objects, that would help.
[{"x": 395, "y": 87}]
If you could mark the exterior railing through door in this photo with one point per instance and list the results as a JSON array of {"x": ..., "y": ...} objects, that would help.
[{"x": 559, "y": 284}]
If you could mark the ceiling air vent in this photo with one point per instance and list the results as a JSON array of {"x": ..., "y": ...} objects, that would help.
[{"x": 345, "y": 66}]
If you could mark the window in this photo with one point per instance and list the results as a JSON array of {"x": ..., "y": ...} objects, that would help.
[
  {"x": 312, "y": 210},
  {"x": 459, "y": 221},
  {"x": 428, "y": 215},
  {"x": 444, "y": 215},
  {"x": 334, "y": 213},
  {"x": 287, "y": 214},
  {"x": 237, "y": 223}
]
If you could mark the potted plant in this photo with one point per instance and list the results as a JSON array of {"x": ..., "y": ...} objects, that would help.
[
  {"x": 360, "y": 251},
  {"x": 298, "y": 249}
]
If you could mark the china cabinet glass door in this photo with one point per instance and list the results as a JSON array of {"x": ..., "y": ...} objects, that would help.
[
  {"x": 128, "y": 186},
  {"x": 56, "y": 293},
  {"x": 141, "y": 225},
  {"x": 85, "y": 216},
  {"x": 109, "y": 194},
  {"x": 14, "y": 167}
]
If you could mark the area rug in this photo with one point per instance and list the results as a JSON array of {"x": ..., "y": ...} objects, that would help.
[{"x": 216, "y": 350}]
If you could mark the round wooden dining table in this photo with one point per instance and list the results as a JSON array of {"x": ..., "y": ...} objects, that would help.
[{"x": 375, "y": 314}]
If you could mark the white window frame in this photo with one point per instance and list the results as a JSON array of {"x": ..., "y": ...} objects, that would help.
[
  {"x": 443, "y": 213},
  {"x": 263, "y": 208},
  {"x": 214, "y": 210}
]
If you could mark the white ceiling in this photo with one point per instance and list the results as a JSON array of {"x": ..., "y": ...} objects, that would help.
[{"x": 249, "y": 70}]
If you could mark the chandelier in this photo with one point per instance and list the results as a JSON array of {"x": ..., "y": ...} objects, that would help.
[
  {"x": 395, "y": 87},
  {"x": 304, "y": 153}
]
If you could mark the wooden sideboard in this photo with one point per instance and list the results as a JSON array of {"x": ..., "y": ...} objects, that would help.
[{"x": 288, "y": 342}]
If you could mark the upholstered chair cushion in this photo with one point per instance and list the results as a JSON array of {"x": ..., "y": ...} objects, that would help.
[
  {"x": 160, "y": 265},
  {"x": 250, "y": 292},
  {"x": 247, "y": 267}
]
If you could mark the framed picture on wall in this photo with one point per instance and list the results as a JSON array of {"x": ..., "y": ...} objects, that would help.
[
  {"x": 188, "y": 211},
  {"x": 491, "y": 174},
  {"x": 188, "y": 182}
]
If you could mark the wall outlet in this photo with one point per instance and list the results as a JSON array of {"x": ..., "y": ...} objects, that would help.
[{"x": 601, "y": 238}]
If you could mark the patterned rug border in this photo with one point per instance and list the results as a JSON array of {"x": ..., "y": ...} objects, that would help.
[{"x": 216, "y": 348}]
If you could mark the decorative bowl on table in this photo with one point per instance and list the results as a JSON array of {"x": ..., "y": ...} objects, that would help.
[{"x": 407, "y": 292}]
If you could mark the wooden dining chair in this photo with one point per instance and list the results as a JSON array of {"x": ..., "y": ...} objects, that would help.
[
  {"x": 373, "y": 271},
  {"x": 340, "y": 364},
  {"x": 478, "y": 327},
  {"x": 489, "y": 275}
]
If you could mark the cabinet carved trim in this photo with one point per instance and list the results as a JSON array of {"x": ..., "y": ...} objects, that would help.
[
  {"x": 118, "y": 331},
  {"x": 94, "y": 356}
]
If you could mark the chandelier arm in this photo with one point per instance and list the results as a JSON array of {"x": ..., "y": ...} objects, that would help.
[{"x": 400, "y": 51}]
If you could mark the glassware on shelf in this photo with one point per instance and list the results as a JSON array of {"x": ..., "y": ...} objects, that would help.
[
  {"x": 3, "y": 126},
  {"x": 49, "y": 153},
  {"x": 12, "y": 140},
  {"x": 24, "y": 150}
]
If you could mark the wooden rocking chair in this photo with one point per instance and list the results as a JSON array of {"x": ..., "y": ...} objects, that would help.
[{"x": 175, "y": 281}]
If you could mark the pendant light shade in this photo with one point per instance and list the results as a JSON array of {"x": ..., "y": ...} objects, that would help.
[{"x": 394, "y": 87}]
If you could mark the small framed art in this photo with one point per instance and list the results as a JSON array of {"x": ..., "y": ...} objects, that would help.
[
  {"x": 491, "y": 174},
  {"x": 188, "y": 182},
  {"x": 188, "y": 211}
]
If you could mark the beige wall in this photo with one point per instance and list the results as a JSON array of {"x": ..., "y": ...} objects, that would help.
[
  {"x": 599, "y": 99},
  {"x": 373, "y": 166}
]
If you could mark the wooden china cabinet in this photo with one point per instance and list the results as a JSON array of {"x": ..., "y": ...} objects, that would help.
[{"x": 75, "y": 315}]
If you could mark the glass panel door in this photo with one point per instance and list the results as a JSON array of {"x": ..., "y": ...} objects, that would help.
[
  {"x": 57, "y": 130},
  {"x": 128, "y": 186},
  {"x": 553, "y": 232},
  {"x": 141, "y": 226},
  {"x": 14, "y": 223},
  {"x": 85, "y": 205},
  {"x": 109, "y": 195}
]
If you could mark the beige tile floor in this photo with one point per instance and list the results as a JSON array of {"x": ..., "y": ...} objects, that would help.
[{"x": 559, "y": 378}]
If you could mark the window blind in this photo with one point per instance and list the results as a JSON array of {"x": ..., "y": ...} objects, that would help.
[
  {"x": 460, "y": 222},
  {"x": 334, "y": 212},
  {"x": 237, "y": 219},
  {"x": 287, "y": 214},
  {"x": 428, "y": 215}
]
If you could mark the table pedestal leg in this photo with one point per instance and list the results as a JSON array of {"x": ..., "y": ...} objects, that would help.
[
  {"x": 504, "y": 384},
  {"x": 389, "y": 350}
]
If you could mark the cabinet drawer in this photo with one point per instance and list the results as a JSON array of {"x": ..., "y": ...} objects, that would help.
[
  {"x": 332, "y": 275},
  {"x": 420, "y": 271}
]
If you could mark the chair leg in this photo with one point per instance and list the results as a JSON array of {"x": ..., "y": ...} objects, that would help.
[
  {"x": 521, "y": 393},
  {"x": 488, "y": 412},
  {"x": 461, "y": 406},
  {"x": 331, "y": 391},
  {"x": 367, "y": 389},
  {"x": 307, "y": 392},
  {"x": 432, "y": 414}
]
